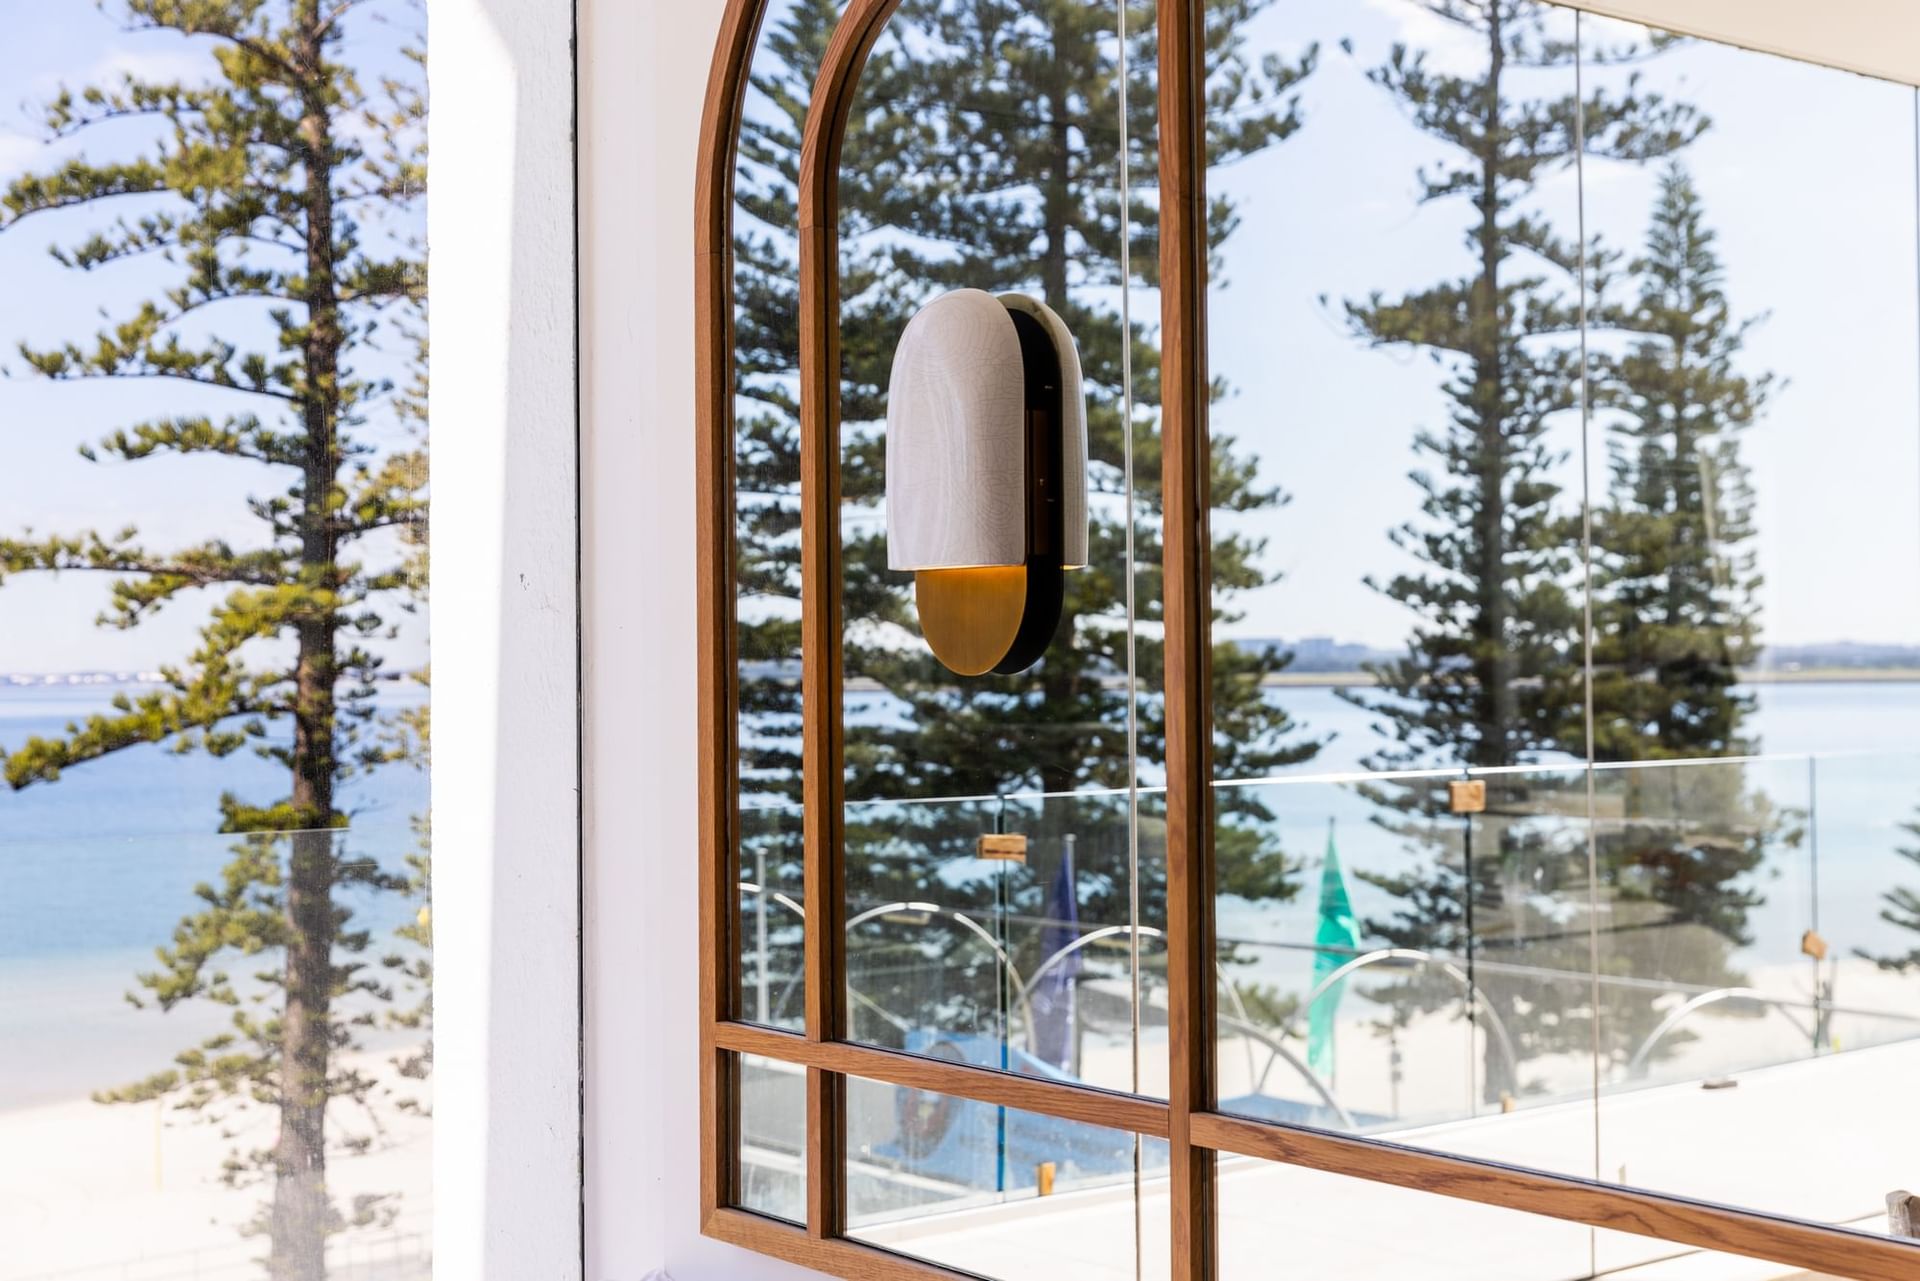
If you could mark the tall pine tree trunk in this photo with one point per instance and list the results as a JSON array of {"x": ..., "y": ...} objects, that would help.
[
  {"x": 301, "y": 1214},
  {"x": 1495, "y": 671}
]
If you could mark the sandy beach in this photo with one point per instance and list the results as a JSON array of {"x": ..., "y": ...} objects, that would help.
[{"x": 90, "y": 1192}]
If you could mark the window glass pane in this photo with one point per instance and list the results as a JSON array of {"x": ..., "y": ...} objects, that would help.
[
  {"x": 1018, "y": 963},
  {"x": 1461, "y": 1020},
  {"x": 1147, "y": 881},
  {"x": 985, "y": 152},
  {"x": 771, "y": 1131},
  {"x": 766, "y": 359},
  {"x": 1292, "y": 1221},
  {"x": 995, "y": 1191},
  {"x": 1755, "y": 460},
  {"x": 1401, "y": 819},
  {"x": 772, "y": 920}
]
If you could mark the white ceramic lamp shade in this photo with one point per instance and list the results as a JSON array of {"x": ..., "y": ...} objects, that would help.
[{"x": 986, "y": 474}]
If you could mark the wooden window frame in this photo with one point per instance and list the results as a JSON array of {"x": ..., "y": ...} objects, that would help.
[{"x": 1187, "y": 1121}]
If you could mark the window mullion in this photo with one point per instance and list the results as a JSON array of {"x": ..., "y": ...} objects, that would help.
[{"x": 1183, "y": 427}]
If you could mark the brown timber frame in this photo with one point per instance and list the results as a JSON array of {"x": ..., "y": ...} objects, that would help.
[{"x": 1187, "y": 1121}]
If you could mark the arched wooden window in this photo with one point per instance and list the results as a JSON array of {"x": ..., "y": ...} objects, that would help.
[{"x": 772, "y": 1062}]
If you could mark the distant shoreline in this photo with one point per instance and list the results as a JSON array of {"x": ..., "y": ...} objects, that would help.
[
  {"x": 1348, "y": 680},
  {"x": 1781, "y": 676},
  {"x": 91, "y": 680}
]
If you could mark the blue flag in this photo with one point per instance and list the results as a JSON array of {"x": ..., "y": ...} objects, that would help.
[
  {"x": 1053, "y": 996},
  {"x": 1335, "y": 942}
]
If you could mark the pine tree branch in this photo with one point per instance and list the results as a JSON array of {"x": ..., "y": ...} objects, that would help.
[
  {"x": 331, "y": 19},
  {"x": 218, "y": 21},
  {"x": 78, "y": 183},
  {"x": 210, "y": 563},
  {"x": 226, "y": 384},
  {"x": 151, "y": 718},
  {"x": 388, "y": 280},
  {"x": 69, "y": 113},
  {"x": 238, "y": 436},
  {"x": 134, "y": 349}
]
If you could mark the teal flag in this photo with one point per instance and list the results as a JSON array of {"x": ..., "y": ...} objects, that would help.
[{"x": 1336, "y": 940}]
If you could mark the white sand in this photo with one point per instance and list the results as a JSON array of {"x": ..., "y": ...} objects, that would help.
[
  {"x": 91, "y": 1191},
  {"x": 1824, "y": 1139}
]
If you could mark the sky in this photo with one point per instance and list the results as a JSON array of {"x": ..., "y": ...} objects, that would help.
[
  {"x": 1808, "y": 175},
  {"x": 47, "y": 624}
]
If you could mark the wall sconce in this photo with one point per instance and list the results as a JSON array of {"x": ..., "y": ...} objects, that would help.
[{"x": 986, "y": 475}]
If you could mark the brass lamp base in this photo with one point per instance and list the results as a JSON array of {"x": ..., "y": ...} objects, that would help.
[{"x": 971, "y": 617}]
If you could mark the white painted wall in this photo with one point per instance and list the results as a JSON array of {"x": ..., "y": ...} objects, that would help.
[
  {"x": 643, "y": 72},
  {"x": 505, "y": 777}
]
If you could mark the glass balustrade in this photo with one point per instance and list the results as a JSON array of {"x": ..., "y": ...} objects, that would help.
[{"x": 1683, "y": 952}]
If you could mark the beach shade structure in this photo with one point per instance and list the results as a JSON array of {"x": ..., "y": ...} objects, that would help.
[{"x": 986, "y": 475}]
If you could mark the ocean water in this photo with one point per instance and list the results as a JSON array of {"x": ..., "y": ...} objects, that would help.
[
  {"x": 96, "y": 869},
  {"x": 1844, "y": 756},
  {"x": 1827, "y": 718}
]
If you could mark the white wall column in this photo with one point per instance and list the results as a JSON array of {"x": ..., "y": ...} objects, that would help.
[
  {"x": 506, "y": 767},
  {"x": 643, "y": 74}
]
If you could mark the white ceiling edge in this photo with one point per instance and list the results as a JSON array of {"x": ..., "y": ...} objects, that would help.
[{"x": 1878, "y": 38}]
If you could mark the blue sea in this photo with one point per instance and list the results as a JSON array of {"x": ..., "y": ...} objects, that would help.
[
  {"x": 98, "y": 867},
  {"x": 1839, "y": 759}
]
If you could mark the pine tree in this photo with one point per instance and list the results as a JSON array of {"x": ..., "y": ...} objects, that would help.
[
  {"x": 1675, "y": 577},
  {"x": 1902, "y": 909},
  {"x": 984, "y": 151},
  {"x": 282, "y": 191},
  {"x": 1676, "y": 615},
  {"x": 1491, "y": 676}
]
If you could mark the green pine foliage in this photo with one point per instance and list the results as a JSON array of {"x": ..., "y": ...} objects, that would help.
[
  {"x": 1492, "y": 672},
  {"x": 1676, "y": 617},
  {"x": 1903, "y": 909},
  {"x": 279, "y": 191},
  {"x": 1491, "y": 677}
]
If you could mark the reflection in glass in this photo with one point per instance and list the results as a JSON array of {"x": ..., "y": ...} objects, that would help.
[
  {"x": 772, "y": 917},
  {"x": 1441, "y": 969},
  {"x": 986, "y": 151},
  {"x": 1433, "y": 1004},
  {"x": 1465, "y": 931},
  {"x": 771, "y": 1130},
  {"x": 1696, "y": 912},
  {"x": 1745, "y": 1031},
  {"x": 996, "y": 1191},
  {"x": 1022, "y": 960},
  {"x": 766, "y": 480},
  {"x": 1752, "y": 453},
  {"x": 1489, "y": 674},
  {"x": 1288, "y": 1220}
]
